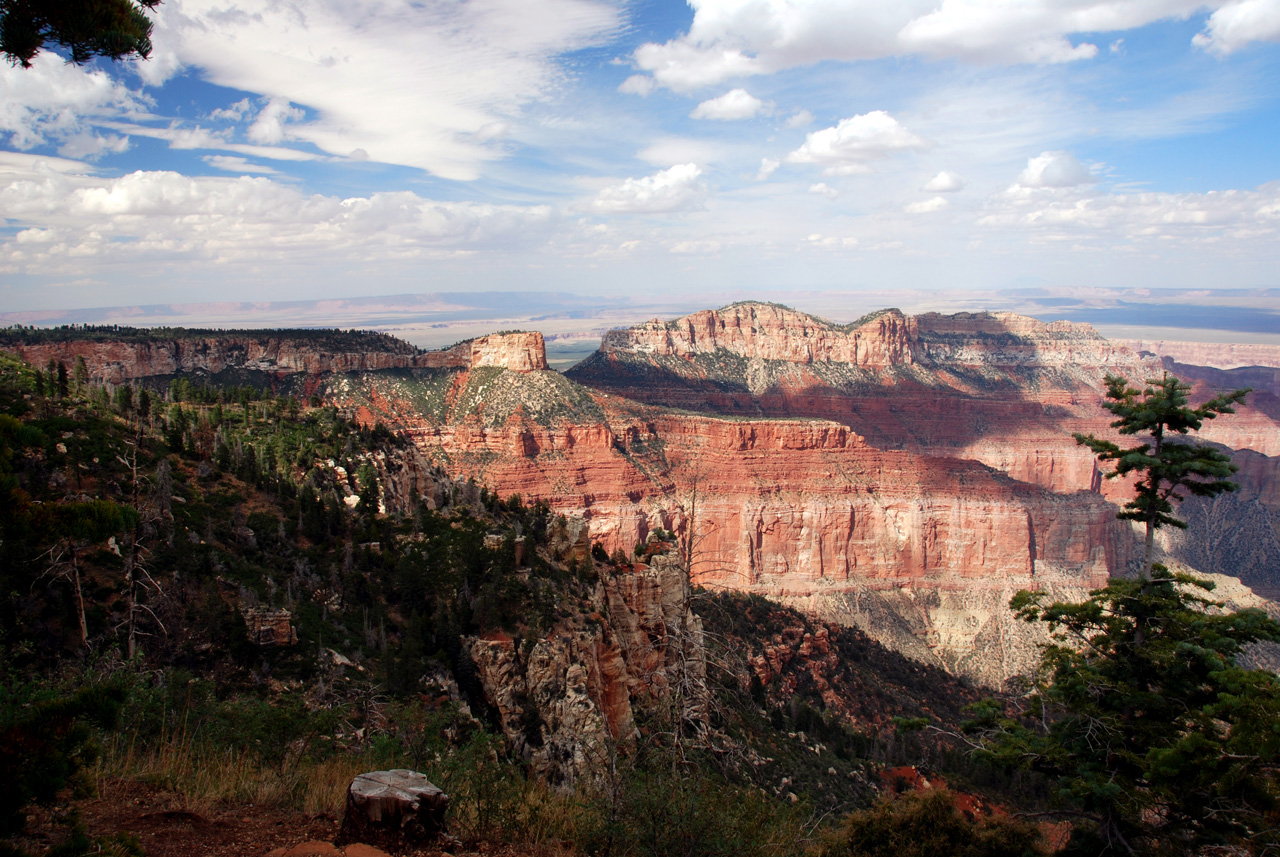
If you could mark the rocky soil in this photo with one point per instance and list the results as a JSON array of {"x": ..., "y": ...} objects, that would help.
[{"x": 166, "y": 826}]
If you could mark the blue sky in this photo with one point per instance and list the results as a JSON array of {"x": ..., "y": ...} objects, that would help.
[{"x": 295, "y": 150}]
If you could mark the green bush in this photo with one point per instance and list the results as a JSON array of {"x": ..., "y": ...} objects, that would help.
[{"x": 930, "y": 824}]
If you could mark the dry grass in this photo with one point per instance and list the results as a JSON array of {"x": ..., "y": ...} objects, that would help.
[{"x": 204, "y": 777}]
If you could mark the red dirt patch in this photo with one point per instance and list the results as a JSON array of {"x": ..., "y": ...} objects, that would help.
[{"x": 167, "y": 827}]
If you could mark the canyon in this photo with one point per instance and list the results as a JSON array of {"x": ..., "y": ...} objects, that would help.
[{"x": 902, "y": 474}]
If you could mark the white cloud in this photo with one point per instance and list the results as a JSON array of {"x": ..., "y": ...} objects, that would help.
[
  {"x": 492, "y": 131},
  {"x": 849, "y": 147},
  {"x": 410, "y": 83},
  {"x": 831, "y": 242},
  {"x": 685, "y": 66},
  {"x": 799, "y": 119},
  {"x": 19, "y": 165},
  {"x": 1054, "y": 169},
  {"x": 736, "y": 38},
  {"x": 232, "y": 164},
  {"x": 944, "y": 182},
  {"x": 147, "y": 216},
  {"x": 1238, "y": 23},
  {"x": 180, "y": 136},
  {"x": 233, "y": 113},
  {"x": 734, "y": 104},
  {"x": 1083, "y": 214},
  {"x": 768, "y": 166},
  {"x": 676, "y": 189},
  {"x": 638, "y": 84},
  {"x": 269, "y": 125},
  {"x": 87, "y": 144},
  {"x": 926, "y": 206},
  {"x": 695, "y": 248},
  {"x": 55, "y": 102},
  {"x": 824, "y": 189}
]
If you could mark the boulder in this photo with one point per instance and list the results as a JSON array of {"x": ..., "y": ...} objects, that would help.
[{"x": 395, "y": 810}]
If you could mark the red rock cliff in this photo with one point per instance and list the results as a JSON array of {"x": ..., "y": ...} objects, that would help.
[
  {"x": 118, "y": 361},
  {"x": 771, "y": 332}
]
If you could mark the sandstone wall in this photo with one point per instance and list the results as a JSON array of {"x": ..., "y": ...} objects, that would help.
[
  {"x": 115, "y": 362},
  {"x": 518, "y": 352},
  {"x": 771, "y": 332}
]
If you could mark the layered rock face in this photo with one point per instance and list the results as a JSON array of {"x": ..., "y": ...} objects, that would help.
[
  {"x": 119, "y": 361},
  {"x": 519, "y": 352},
  {"x": 800, "y": 509},
  {"x": 999, "y": 388},
  {"x": 770, "y": 332}
]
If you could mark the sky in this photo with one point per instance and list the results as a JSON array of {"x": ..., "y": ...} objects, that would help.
[{"x": 280, "y": 150}]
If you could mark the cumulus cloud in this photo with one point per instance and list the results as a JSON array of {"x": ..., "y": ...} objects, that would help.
[
  {"x": 638, "y": 84},
  {"x": 944, "y": 182},
  {"x": 269, "y": 125},
  {"x": 734, "y": 104},
  {"x": 732, "y": 38},
  {"x": 1054, "y": 169},
  {"x": 1238, "y": 23},
  {"x": 410, "y": 83},
  {"x": 56, "y": 102},
  {"x": 926, "y": 206},
  {"x": 144, "y": 216},
  {"x": 676, "y": 189},
  {"x": 849, "y": 147},
  {"x": 824, "y": 189}
]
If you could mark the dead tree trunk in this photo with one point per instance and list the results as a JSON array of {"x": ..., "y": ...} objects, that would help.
[{"x": 396, "y": 810}]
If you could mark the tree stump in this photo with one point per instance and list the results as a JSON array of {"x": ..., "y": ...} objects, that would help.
[{"x": 395, "y": 810}]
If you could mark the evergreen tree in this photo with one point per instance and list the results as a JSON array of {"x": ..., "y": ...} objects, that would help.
[
  {"x": 1168, "y": 469},
  {"x": 1159, "y": 740},
  {"x": 86, "y": 28}
]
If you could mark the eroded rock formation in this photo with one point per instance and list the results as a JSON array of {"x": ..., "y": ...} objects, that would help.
[
  {"x": 115, "y": 361},
  {"x": 567, "y": 701}
]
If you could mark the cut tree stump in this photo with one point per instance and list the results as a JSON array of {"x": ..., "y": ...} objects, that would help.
[{"x": 395, "y": 810}]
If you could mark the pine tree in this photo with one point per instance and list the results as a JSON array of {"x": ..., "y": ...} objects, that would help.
[
  {"x": 1168, "y": 468},
  {"x": 1159, "y": 740},
  {"x": 86, "y": 28}
]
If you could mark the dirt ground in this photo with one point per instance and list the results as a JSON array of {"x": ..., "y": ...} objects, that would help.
[{"x": 166, "y": 828}]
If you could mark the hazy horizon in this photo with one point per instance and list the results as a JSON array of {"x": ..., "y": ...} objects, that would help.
[{"x": 574, "y": 323}]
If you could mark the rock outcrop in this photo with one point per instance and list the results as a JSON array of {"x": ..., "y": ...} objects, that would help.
[
  {"x": 567, "y": 701},
  {"x": 129, "y": 358},
  {"x": 519, "y": 352},
  {"x": 771, "y": 332}
]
